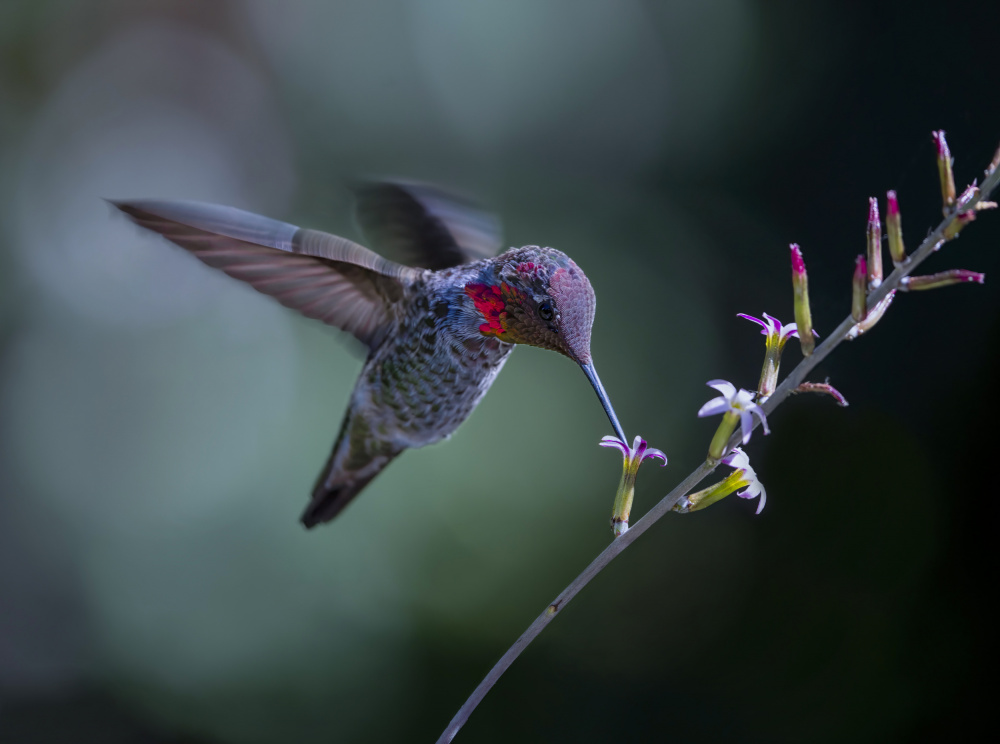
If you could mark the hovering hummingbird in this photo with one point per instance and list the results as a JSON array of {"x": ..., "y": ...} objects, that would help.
[{"x": 437, "y": 332}]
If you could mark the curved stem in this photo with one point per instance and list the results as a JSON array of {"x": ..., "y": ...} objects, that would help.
[{"x": 795, "y": 378}]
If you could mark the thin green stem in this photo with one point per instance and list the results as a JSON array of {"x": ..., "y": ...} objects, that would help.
[{"x": 795, "y": 378}]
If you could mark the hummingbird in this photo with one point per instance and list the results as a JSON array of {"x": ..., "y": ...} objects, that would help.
[{"x": 437, "y": 331}]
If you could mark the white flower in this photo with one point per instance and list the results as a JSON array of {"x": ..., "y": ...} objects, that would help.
[
  {"x": 739, "y": 403},
  {"x": 738, "y": 459}
]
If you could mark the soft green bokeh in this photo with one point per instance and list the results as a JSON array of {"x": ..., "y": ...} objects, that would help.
[{"x": 161, "y": 426}]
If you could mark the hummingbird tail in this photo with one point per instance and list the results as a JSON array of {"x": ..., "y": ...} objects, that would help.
[
  {"x": 347, "y": 471},
  {"x": 327, "y": 502}
]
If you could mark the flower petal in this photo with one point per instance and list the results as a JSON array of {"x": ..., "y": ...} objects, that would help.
[
  {"x": 746, "y": 423},
  {"x": 789, "y": 331},
  {"x": 725, "y": 387},
  {"x": 752, "y": 319},
  {"x": 653, "y": 452},
  {"x": 610, "y": 441},
  {"x": 714, "y": 406},
  {"x": 737, "y": 459},
  {"x": 763, "y": 419}
]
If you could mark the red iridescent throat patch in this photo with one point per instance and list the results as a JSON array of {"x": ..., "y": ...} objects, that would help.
[{"x": 489, "y": 302}]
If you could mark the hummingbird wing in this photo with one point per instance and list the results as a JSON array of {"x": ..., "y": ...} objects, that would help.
[
  {"x": 322, "y": 276},
  {"x": 428, "y": 226}
]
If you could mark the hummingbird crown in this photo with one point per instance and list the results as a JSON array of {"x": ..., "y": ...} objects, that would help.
[{"x": 537, "y": 296}]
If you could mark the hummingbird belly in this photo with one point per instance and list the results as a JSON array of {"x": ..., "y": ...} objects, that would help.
[{"x": 421, "y": 386}]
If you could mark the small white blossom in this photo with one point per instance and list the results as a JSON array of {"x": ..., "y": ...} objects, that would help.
[
  {"x": 739, "y": 402},
  {"x": 738, "y": 460}
]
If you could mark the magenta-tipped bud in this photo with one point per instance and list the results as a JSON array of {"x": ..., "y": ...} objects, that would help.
[
  {"x": 971, "y": 192},
  {"x": 958, "y": 224},
  {"x": 800, "y": 291},
  {"x": 822, "y": 387},
  {"x": 941, "y": 279},
  {"x": 873, "y": 316},
  {"x": 894, "y": 227},
  {"x": 944, "y": 171},
  {"x": 859, "y": 296},
  {"x": 874, "y": 245}
]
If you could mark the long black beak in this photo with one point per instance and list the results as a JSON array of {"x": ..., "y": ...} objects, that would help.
[{"x": 588, "y": 369}]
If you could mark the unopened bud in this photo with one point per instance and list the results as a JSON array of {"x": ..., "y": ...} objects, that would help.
[
  {"x": 941, "y": 279},
  {"x": 994, "y": 164},
  {"x": 859, "y": 295},
  {"x": 874, "y": 316},
  {"x": 874, "y": 245},
  {"x": 944, "y": 171},
  {"x": 822, "y": 387},
  {"x": 800, "y": 291},
  {"x": 970, "y": 193},
  {"x": 894, "y": 227},
  {"x": 958, "y": 224}
]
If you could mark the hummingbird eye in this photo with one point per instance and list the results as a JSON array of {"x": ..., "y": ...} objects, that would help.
[{"x": 545, "y": 311}]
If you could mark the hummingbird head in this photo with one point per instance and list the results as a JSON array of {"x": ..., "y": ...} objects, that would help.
[
  {"x": 537, "y": 296},
  {"x": 540, "y": 297}
]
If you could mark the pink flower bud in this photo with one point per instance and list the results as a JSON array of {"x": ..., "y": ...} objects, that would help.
[
  {"x": 800, "y": 291},
  {"x": 941, "y": 279},
  {"x": 859, "y": 295},
  {"x": 958, "y": 224},
  {"x": 894, "y": 227},
  {"x": 874, "y": 245},
  {"x": 825, "y": 388},
  {"x": 944, "y": 171}
]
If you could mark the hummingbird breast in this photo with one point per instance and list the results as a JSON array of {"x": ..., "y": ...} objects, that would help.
[{"x": 429, "y": 374}]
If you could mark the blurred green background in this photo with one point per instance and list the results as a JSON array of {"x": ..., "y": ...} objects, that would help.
[{"x": 160, "y": 426}]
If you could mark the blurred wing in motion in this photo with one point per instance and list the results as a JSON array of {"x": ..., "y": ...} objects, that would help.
[
  {"x": 424, "y": 225},
  {"x": 322, "y": 276}
]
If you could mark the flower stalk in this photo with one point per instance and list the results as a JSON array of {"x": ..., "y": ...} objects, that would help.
[{"x": 790, "y": 384}]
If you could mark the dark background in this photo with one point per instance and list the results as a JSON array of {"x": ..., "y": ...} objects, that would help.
[{"x": 160, "y": 426}]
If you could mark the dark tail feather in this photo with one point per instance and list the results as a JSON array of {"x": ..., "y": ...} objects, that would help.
[{"x": 334, "y": 490}]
